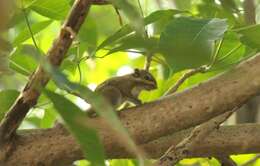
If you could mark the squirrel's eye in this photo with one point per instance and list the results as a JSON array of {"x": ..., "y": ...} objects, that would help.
[{"x": 147, "y": 77}]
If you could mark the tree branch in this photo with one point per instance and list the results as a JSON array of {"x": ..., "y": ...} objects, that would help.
[
  {"x": 249, "y": 9},
  {"x": 57, "y": 147},
  {"x": 176, "y": 153},
  {"x": 185, "y": 76},
  {"x": 40, "y": 78},
  {"x": 183, "y": 110}
]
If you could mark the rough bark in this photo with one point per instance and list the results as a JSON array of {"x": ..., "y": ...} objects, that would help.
[
  {"x": 180, "y": 151},
  {"x": 57, "y": 147}
]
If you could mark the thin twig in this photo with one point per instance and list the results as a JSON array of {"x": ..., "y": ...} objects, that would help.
[
  {"x": 230, "y": 52},
  {"x": 78, "y": 62},
  {"x": 176, "y": 153},
  {"x": 187, "y": 75},
  {"x": 29, "y": 28},
  {"x": 140, "y": 7},
  {"x": 214, "y": 59},
  {"x": 103, "y": 56},
  {"x": 119, "y": 16}
]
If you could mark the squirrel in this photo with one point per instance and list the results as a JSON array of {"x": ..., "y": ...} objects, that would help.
[{"x": 117, "y": 90}]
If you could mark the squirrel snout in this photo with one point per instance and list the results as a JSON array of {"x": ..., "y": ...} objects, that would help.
[{"x": 152, "y": 86}]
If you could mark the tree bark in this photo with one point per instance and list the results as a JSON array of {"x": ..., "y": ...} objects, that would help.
[{"x": 52, "y": 147}]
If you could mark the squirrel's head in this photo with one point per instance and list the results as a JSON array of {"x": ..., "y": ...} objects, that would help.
[{"x": 145, "y": 78}]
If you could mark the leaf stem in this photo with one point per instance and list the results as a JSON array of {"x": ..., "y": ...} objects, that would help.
[
  {"x": 29, "y": 27},
  {"x": 216, "y": 53},
  {"x": 230, "y": 52}
]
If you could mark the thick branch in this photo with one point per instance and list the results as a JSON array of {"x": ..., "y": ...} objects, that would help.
[
  {"x": 176, "y": 153},
  {"x": 196, "y": 105},
  {"x": 57, "y": 147},
  {"x": 40, "y": 78}
]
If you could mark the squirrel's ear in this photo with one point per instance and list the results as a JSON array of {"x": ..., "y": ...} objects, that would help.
[{"x": 136, "y": 72}]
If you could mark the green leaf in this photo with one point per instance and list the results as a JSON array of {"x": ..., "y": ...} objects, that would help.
[
  {"x": 76, "y": 120},
  {"x": 26, "y": 3},
  {"x": 68, "y": 66},
  {"x": 136, "y": 42},
  {"x": 25, "y": 34},
  {"x": 126, "y": 29},
  {"x": 132, "y": 13},
  {"x": 88, "y": 34},
  {"x": 183, "y": 4},
  {"x": 250, "y": 35},
  {"x": 7, "y": 98},
  {"x": 229, "y": 5},
  {"x": 159, "y": 19},
  {"x": 54, "y": 9},
  {"x": 48, "y": 119},
  {"x": 121, "y": 162},
  {"x": 188, "y": 43},
  {"x": 33, "y": 120},
  {"x": 22, "y": 60},
  {"x": 161, "y": 14},
  {"x": 230, "y": 53}
]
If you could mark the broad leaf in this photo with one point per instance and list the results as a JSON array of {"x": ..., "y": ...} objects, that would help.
[
  {"x": 54, "y": 9},
  {"x": 136, "y": 42},
  {"x": 188, "y": 43},
  {"x": 126, "y": 29},
  {"x": 161, "y": 14},
  {"x": 76, "y": 121},
  {"x": 68, "y": 66},
  {"x": 230, "y": 53},
  {"x": 132, "y": 14},
  {"x": 88, "y": 34},
  {"x": 22, "y": 60},
  {"x": 7, "y": 98},
  {"x": 250, "y": 35},
  {"x": 25, "y": 34}
]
